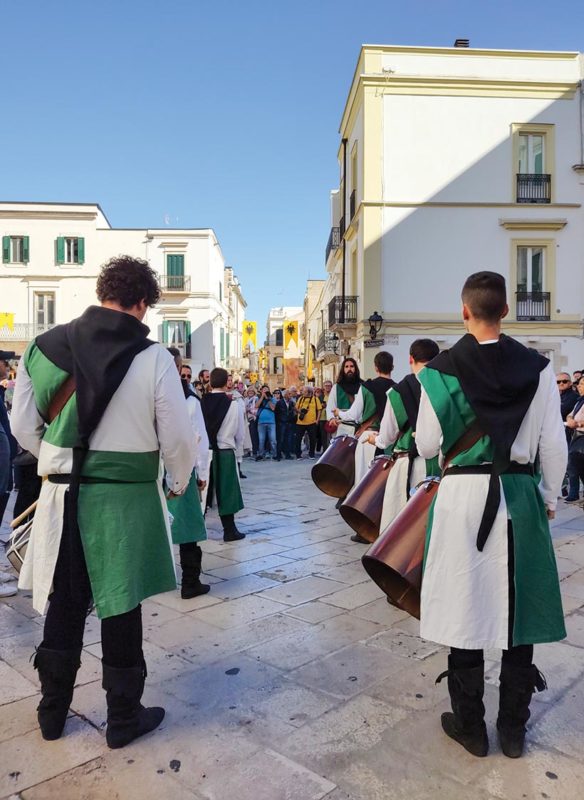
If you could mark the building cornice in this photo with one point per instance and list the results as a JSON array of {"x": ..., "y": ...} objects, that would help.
[
  {"x": 533, "y": 224},
  {"x": 61, "y": 214},
  {"x": 455, "y": 204},
  {"x": 470, "y": 87},
  {"x": 556, "y": 55}
]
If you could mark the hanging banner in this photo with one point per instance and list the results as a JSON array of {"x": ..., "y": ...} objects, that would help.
[
  {"x": 7, "y": 320},
  {"x": 310, "y": 365},
  {"x": 290, "y": 333},
  {"x": 249, "y": 334}
]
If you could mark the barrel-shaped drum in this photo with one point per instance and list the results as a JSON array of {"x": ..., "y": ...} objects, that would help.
[
  {"x": 362, "y": 508},
  {"x": 395, "y": 560},
  {"x": 334, "y": 472}
]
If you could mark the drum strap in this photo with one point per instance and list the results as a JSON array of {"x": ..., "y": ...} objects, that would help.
[{"x": 61, "y": 398}]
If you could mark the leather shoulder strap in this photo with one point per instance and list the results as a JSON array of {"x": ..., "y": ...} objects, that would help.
[
  {"x": 62, "y": 395},
  {"x": 469, "y": 438}
]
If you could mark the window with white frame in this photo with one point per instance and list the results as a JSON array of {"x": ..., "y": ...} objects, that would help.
[
  {"x": 44, "y": 309},
  {"x": 15, "y": 249},
  {"x": 530, "y": 269},
  {"x": 531, "y": 154}
]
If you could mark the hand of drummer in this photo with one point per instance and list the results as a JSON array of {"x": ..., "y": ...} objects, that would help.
[
  {"x": 201, "y": 484},
  {"x": 372, "y": 438}
]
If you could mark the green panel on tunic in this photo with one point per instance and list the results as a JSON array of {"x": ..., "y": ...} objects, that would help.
[
  {"x": 538, "y": 604},
  {"x": 125, "y": 543},
  {"x": 226, "y": 482},
  {"x": 46, "y": 377},
  {"x": 343, "y": 401},
  {"x": 429, "y": 531},
  {"x": 111, "y": 465},
  {"x": 188, "y": 524},
  {"x": 433, "y": 467},
  {"x": 62, "y": 432},
  {"x": 405, "y": 441},
  {"x": 369, "y": 404}
]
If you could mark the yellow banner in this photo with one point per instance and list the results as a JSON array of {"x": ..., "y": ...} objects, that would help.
[
  {"x": 310, "y": 366},
  {"x": 249, "y": 334},
  {"x": 253, "y": 377},
  {"x": 290, "y": 332},
  {"x": 7, "y": 321}
]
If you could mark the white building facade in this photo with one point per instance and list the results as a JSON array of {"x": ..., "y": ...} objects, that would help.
[
  {"x": 51, "y": 256},
  {"x": 454, "y": 160}
]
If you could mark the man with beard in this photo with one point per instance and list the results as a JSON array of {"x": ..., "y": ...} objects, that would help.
[
  {"x": 349, "y": 403},
  {"x": 490, "y": 576}
]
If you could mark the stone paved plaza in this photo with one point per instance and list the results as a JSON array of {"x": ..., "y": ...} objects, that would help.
[{"x": 292, "y": 680}]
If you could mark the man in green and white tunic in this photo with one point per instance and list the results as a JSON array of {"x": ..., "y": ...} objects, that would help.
[
  {"x": 398, "y": 430},
  {"x": 98, "y": 403},
  {"x": 490, "y": 577}
]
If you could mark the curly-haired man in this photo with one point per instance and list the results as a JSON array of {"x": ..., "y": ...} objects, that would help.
[{"x": 98, "y": 404}]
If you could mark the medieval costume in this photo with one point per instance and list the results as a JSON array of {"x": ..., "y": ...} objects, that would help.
[
  {"x": 397, "y": 435},
  {"x": 188, "y": 523},
  {"x": 356, "y": 404},
  {"x": 100, "y": 531},
  {"x": 224, "y": 424},
  {"x": 490, "y": 576}
]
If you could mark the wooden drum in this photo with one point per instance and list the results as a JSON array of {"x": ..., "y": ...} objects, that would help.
[
  {"x": 334, "y": 472},
  {"x": 362, "y": 508}
]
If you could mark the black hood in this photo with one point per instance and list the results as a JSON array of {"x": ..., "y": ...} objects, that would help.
[{"x": 215, "y": 406}]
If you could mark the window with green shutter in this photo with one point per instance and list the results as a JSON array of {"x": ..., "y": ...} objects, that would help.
[
  {"x": 227, "y": 344},
  {"x": 222, "y": 344},
  {"x": 25, "y": 249},
  {"x": 175, "y": 271},
  {"x": 15, "y": 249},
  {"x": 6, "y": 249},
  {"x": 60, "y": 250},
  {"x": 70, "y": 250}
]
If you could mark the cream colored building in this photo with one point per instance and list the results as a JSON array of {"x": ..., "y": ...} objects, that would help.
[
  {"x": 454, "y": 160},
  {"x": 283, "y": 368},
  {"x": 51, "y": 255}
]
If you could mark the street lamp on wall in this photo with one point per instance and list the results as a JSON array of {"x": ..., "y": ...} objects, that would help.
[{"x": 375, "y": 323}]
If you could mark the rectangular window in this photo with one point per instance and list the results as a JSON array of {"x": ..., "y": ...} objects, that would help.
[
  {"x": 532, "y": 301},
  {"x": 70, "y": 250},
  {"x": 222, "y": 344},
  {"x": 175, "y": 271},
  {"x": 533, "y": 162},
  {"x": 279, "y": 337},
  {"x": 15, "y": 249},
  {"x": 220, "y": 292},
  {"x": 531, "y": 154},
  {"x": 44, "y": 309}
]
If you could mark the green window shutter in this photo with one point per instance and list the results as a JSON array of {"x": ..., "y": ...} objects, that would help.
[
  {"x": 6, "y": 249},
  {"x": 188, "y": 339},
  {"x": 165, "y": 332},
  {"x": 81, "y": 250},
  {"x": 222, "y": 345},
  {"x": 25, "y": 249},
  {"x": 60, "y": 250},
  {"x": 227, "y": 345},
  {"x": 175, "y": 265}
]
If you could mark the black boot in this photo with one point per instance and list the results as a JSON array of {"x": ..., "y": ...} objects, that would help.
[
  {"x": 466, "y": 722},
  {"x": 190, "y": 562},
  {"x": 230, "y": 532},
  {"x": 57, "y": 672},
  {"x": 517, "y": 687},
  {"x": 127, "y": 719}
]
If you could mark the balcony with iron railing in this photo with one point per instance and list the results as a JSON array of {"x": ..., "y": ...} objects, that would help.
[
  {"x": 23, "y": 331},
  {"x": 532, "y": 306},
  {"x": 175, "y": 283},
  {"x": 534, "y": 188},
  {"x": 353, "y": 203},
  {"x": 342, "y": 311},
  {"x": 333, "y": 243},
  {"x": 327, "y": 345},
  {"x": 342, "y": 227}
]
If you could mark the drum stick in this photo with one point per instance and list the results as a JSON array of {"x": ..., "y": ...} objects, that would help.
[{"x": 21, "y": 517}]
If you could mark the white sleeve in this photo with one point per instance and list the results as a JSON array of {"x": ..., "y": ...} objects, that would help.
[
  {"x": 389, "y": 429},
  {"x": 202, "y": 442},
  {"x": 428, "y": 430},
  {"x": 553, "y": 451},
  {"x": 355, "y": 412},
  {"x": 331, "y": 403},
  {"x": 27, "y": 425},
  {"x": 174, "y": 428},
  {"x": 239, "y": 431}
]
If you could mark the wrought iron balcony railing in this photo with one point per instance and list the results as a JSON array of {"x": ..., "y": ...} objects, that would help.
[
  {"x": 533, "y": 306},
  {"x": 342, "y": 227},
  {"x": 342, "y": 311},
  {"x": 534, "y": 188},
  {"x": 328, "y": 343},
  {"x": 175, "y": 283},
  {"x": 333, "y": 243}
]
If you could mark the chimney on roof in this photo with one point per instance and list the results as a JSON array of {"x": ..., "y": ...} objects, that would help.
[{"x": 462, "y": 43}]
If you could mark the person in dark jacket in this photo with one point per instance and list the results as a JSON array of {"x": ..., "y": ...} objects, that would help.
[
  {"x": 8, "y": 446},
  {"x": 569, "y": 396},
  {"x": 285, "y": 419}
]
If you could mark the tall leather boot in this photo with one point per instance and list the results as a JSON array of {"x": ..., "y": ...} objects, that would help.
[
  {"x": 127, "y": 719},
  {"x": 57, "y": 672},
  {"x": 230, "y": 532},
  {"x": 190, "y": 562},
  {"x": 517, "y": 685},
  {"x": 466, "y": 722}
]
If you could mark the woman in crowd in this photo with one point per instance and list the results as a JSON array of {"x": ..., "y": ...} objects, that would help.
[
  {"x": 265, "y": 408},
  {"x": 575, "y": 421}
]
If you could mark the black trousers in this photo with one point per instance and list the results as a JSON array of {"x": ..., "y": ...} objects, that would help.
[
  {"x": 300, "y": 431},
  {"x": 282, "y": 439},
  {"x": 121, "y": 636}
]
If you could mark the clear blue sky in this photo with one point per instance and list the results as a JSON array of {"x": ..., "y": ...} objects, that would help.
[{"x": 217, "y": 114}]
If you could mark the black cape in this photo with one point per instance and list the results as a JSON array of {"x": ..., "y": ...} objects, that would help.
[
  {"x": 499, "y": 381},
  {"x": 215, "y": 406},
  {"x": 379, "y": 387}
]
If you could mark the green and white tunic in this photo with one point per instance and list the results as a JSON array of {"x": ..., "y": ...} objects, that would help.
[
  {"x": 351, "y": 415},
  {"x": 466, "y": 592},
  {"x": 122, "y": 513},
  {"x": 396, "y": 432}
]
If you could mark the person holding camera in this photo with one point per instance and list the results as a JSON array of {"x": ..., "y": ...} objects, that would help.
[
  {"x": 265, "y": 407},
  {"x": 308, "y": 409}
]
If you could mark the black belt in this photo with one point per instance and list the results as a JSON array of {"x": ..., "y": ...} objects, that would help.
[
  {"x": 65, "y": 478},
  {"x": 494, "y": 492}
]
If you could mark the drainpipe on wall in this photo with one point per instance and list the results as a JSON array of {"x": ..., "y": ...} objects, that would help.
[{"x": 343, "y": 286}]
